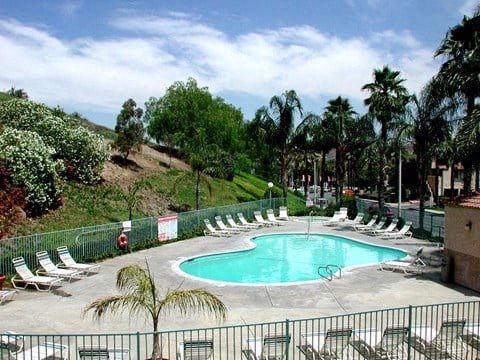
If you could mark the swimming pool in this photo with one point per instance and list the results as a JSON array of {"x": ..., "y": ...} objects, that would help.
[{"x": 286, "y": 258}]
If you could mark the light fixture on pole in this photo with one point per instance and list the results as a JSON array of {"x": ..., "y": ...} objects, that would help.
[{"x": 270, "y": 186}]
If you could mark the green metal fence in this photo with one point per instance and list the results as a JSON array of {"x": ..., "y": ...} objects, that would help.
[
  {"x": 440, "y": 331},
  {"x": 92, "y": 242}
]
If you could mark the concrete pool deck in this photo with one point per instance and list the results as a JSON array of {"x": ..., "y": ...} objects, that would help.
[{"x": 360, "y": 289}]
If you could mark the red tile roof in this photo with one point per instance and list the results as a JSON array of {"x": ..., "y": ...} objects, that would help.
[{"x": 471, "y": 200}]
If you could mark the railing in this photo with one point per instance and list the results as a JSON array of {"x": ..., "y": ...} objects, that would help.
[
  {"x": 440, "y": 331},
  {"x": 330, "y": 271},
  {"x": 99, "y": 241}
]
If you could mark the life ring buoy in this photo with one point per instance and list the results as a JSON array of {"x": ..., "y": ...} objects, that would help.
[{"x": 122, "y": 241}]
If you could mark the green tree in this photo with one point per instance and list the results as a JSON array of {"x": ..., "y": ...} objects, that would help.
[
  {"x": 388, "y": 99},
  {"x": 341, "y": 113},
  {"x": 461, "y": 72},
  {"x": 429, "y": 116},
  {"x": 174, "y": 119},
  {"x": 141, "y": 295},
  {"x": 129, "y": 129},
  {"x": 279, "y": 121}
]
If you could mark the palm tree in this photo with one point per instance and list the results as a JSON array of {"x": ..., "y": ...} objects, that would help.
[
  {"x": 461, "y": 71},
  {"x": 341, "y": 112},
  {"x": 141, "y": 295},
  {"x": 429, "y": 117},
  {"x": 279, "y": 118},
  {"x": 303, "y": 144},
  {"x": 388, "y": 100}
]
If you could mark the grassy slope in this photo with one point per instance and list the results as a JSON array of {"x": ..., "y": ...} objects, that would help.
[{"x": 103, "y": 203}]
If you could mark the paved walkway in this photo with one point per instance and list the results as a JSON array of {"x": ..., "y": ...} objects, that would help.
[{"x": 359, "y": 289}]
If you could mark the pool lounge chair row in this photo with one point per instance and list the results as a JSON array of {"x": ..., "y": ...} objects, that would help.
[
  {"x": 448, "y": 342},
  {"x": 232, "y": 227},
  {"x": 49, "y": 274},
  {"x": 13, "y": 343}
]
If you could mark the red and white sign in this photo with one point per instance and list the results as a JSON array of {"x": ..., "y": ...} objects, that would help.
[{"x": 167, "y": 228}]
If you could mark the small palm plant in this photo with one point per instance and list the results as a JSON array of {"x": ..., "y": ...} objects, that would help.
[{"x": 142, "y": 296}]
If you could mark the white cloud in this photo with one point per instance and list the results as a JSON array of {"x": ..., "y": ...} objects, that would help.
[{"x": 98, "y": 75}]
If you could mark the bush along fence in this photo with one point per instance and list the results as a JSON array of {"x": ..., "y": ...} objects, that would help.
[
  {"x": 437, "y": 332},
  {"x": 97, "y": 242}
]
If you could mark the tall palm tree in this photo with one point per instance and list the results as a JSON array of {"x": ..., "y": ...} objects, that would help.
[
  {"x": 303, "y": 144},
  {"x": 141, "y": 295},
  {"x": 461, "y": 70},
  {"x": 388, "y": 99},
  {"x": 279, "y": 119},
  {"x": 341, "y": 112},
  {"x": 430, "y": 118}
]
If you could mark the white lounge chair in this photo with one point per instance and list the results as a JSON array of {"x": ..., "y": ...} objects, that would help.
[
  {"x": 375, "y": 226},
  {"x": 445, "y": 343},
  {"x": 48, "y": 268},
  {"x": 102, "y": 353},
  {"x": 244, "y": 221},
  {"x": 221, "y": 225},
  {"x": 25, "y": 277},
  {"x": 375, "y": 344},
  {"x": 347, "y": 222},
  {"x": 12, "y": 342},
  {"x": 270, "y": 347},
  {"x": 260, "y": 220},
  {"x": 471, "y": 335},
  {"x": 330, "y": 345},
  {"x": 391, "y": 227},
  {"x": 412, "y": 264},
  {"x": 69, "y": 263},
  {"x": 271, "y": 218},
  {"x": 210, "y": 230},
  {"x": 47, "y": 350},
  {"x": 282, "y": 213},
  {"x": 234, "y": 225},
  {"x": 403, "y": 232},
  {"x": 200, "y": 349},
  {"x": 368, "y": 225},
  {"x": 6, "y": 295},
  {"x": 337, "y": 217}
]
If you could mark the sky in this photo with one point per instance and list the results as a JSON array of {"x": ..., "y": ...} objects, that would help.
[{"x": 90, "y": 56}]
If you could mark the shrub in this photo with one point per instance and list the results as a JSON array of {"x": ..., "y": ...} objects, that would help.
[
  {"x": 83, "y": 152},
  {"x": 29, "y": 161}
]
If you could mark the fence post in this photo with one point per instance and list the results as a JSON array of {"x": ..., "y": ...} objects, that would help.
[
  {"x": 138, "y": 345},
  {"x": 409, "y": 338},
  {"x": 287, "y": 334}
]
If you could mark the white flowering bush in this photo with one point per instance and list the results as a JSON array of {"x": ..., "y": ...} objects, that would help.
[
  {"x": 77, "y": 146},
  {"x": 29, "y": 160}
]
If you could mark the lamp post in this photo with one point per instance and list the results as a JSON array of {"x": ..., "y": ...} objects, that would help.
[{"x": 270, "y": 186}]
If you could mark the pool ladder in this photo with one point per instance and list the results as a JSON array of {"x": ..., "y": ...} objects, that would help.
[
  {"x": 308, "y": 225},
  {"x": 330, "y": 270}
]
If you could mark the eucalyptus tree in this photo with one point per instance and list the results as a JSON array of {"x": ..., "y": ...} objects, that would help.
[
  {"x": 279, "y": 119},
  {"x": 129, "y": 128},
  {"x": 341, "y": 113},
  {"x": 461, "y": 71},
  {"x": 387, "y": 101},
  {"x": 175, "y": 118}
]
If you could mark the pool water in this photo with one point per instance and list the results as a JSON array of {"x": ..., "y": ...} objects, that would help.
[{"x": 285, "y": 258}]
